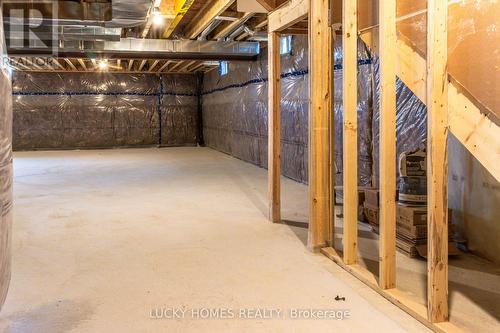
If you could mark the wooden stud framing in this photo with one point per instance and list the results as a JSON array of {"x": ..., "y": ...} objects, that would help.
[
  {"x": 321, "y": 72},
  {"x": 274, "y": 150},
  {"x": 437, "y": 150},
  {"x": 467, "y": 123},
  {"x": 388, "y": 37},
  {"x": 350, "y": 97}
]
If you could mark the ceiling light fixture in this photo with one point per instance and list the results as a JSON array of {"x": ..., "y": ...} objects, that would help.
[
  {"x": 103, "y": 65},
  {"x": 157, "y": 17}
]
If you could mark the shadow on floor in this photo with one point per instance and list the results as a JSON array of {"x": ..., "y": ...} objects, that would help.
[{"x": 57, "y": 317}]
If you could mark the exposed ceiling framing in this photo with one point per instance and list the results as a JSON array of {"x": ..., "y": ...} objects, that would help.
[
  {"x": 81, "y": 65},
  {"x": 210, "y": 20}
]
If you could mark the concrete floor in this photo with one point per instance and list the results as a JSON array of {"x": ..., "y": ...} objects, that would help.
[{"x": 101, "y": 238}]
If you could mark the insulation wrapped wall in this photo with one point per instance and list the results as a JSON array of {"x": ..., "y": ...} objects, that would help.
[
  {"x": 411, "y": 121},
  {"x": 105, "y": 110},
  {"x": 179, "y": 110},
  {"x": 6, "y": 173},
  {"x": 235, "y": 111}
]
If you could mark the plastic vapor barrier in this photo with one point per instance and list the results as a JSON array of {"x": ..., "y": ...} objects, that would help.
[
  {"x": 6, "y": 173},
  {"x": 235, "y": 116},
  {"x": 411, "y": 121},
  {"x": 105, "y": 110},
  {"x": 179, "y": 110},
  {"x": 365, "y": 114}
]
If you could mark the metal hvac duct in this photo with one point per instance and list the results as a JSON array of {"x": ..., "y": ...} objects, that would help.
[
  {"x": 102, "y": 13},
  {"x": 66, "y": 33},
  {"x": 134, "y": 48}
]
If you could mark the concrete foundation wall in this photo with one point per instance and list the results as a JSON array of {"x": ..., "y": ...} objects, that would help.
[
  {"x": 103, "y": 110},
  {"x": 475, "y": 200}
]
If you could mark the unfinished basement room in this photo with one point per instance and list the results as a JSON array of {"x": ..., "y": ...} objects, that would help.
[{"x": 249, "y": 166}]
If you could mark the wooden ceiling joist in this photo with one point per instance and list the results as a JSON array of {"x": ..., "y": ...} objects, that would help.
[
  {"x": 186, "y": 66},
  {"x": 180, "y": 9},
  {"x": 196, "y": 67},
  {"x": 233, "y": 26},
  {"x": 205, "y": 17},
  {"x": 286, "y": 16},
  {"x": 58, "y": 64},
  {"x": 153, "y": 65},
  {"x": 177, "y": 65},
  {"x": 164, "y": 66},
  {"x": 141, "y": 66},
  {"x": 258, "y": 27},
  {"x": 82, "y": 63},
  {"x": 268, "y": 4},
  {"x": 68, "y": 61}
]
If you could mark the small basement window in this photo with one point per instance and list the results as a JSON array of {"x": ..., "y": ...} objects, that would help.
[
  {"x": 223, "y": 68},
  {"x": 286, "y": 45}
]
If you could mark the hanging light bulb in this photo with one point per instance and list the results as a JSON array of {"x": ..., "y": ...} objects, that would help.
[
  {"x": 103, "y": 65},
  {"x": 157, "y": 17}
]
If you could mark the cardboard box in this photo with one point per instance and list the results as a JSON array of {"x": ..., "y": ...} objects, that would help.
[
  {"x": 411, "y": 215},
  {"x": 371, "y": 214},
  {"x": 372, "y": 197},
  {"x": 418, "y": 231},
  {"x": 414, "y": 215}
]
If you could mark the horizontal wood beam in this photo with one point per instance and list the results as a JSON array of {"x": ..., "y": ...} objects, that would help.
[
  {"x": 268, "y": 4},
  {"x": 474, "y": 130},
  {"x": 181, "y": 7},
  {"x": 289, "y": 14},
  {"x": 204, "y": 18}
]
